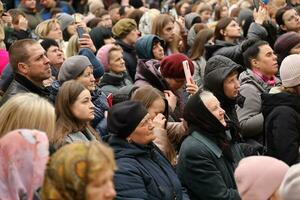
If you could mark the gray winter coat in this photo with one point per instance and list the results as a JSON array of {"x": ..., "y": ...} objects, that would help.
[{"x": 250, "y": 116}]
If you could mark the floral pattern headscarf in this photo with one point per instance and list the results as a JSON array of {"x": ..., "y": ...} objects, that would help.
[
  {"x": 72, "y": 167},
  {"x": 23, "y": 157}
]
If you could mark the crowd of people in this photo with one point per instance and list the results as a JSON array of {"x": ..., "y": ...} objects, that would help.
[{"x": 147, "y": 99}]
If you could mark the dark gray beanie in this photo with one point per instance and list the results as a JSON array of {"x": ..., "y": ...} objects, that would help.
[
  {"x": 72, "y": 67},
  {"x": 64, "y": 20}
]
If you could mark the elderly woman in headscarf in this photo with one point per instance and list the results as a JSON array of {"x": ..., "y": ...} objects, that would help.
[
  {"x": 85, "y": 174},
  {"x": 23, "y": 157},
  {"x": 209, "y": 155}
]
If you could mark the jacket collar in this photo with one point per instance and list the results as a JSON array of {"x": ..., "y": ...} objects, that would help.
[
  {"x": 208, "y": 143},
  {"x": 31, "y": 86}
]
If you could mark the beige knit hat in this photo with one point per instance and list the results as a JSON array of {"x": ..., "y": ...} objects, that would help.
[{"x": 290, "y": 71}]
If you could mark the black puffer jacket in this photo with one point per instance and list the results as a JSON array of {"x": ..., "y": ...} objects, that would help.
[{"x": 282, "y": 126}]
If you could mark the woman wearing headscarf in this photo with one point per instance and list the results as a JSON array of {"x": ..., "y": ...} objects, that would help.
[
  {"x": 85, "y": 174},
  {"x": 209, "y": 155},
  {"x": 23, "y": 162}
]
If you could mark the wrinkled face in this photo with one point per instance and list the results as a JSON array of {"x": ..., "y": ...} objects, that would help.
[
  {"x": 87, "y": 79},
  {"x": 143, "y": 133},
  {"x": 102, "y": 187},
  {"x": 291, "y": 20},
  {"x": 116, "y": 62},
  {"x": 205, "y": 16},
  {"x": 176, "y": 83},
  {"x": 30, "y": 4},
  {"x": 213, "y": 105},
  {"x": 158, "y": 51},
  {"x": 106, "y": 21},
  {"x": 232, "y": 30},
  {"x": 158, "y": 106},
  {"x": 37, "y": 67},
  {"x": 83, "y": 108},
  {"x": 132, "y": 37},
  {"x": 55, "y": 32},
  {"x": 266, "y": 61},
  {"x": 231, "y": 85},
  {"x": 56, "y": 56},
  {"x": 167, "y": 33}
]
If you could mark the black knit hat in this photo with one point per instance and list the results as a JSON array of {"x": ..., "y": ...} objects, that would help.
[{"x": 124, "y": 117}]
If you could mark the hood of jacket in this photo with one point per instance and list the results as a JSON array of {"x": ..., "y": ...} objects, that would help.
[
  {"x": 271, "y": 101},
  {"x": 216, "y": 70},
  {"x": 148, "y": 71},
  {"x": 144, "y": 46}
]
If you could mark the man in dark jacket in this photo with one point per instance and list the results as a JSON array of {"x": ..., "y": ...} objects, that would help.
[
  {"x": 282, "y": 114},
  {"x": 31, "y": 67},
  {"x": 126, "y": 34}
]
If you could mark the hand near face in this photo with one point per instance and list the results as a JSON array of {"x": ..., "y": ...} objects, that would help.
[
  {"x": 171, "y": 98},
  {"x": 86, "y": 42},
  {"x": 159, "y": 121},
  {"x": 191, "y": 87},
  {"x": 261, "y": 15}
]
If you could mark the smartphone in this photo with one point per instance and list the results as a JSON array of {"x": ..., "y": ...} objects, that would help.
[
  {"x": 80, "y": 31},
  {"x": 173, "y": 13},
  {"x": 187, "y": 71},
  {"x": 109, "y": 99}
]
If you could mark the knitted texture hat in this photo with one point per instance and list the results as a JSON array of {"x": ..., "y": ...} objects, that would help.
[
  {"x": 290, "y": 186},
  {"x": 65, "y": 20},
  {"x": 258, "y": 177},
  {"x": 171, "y": 66},
  {"x": 124, "y": 117},
  {"x": 102, "y": 55},
  {"x": 72, "y": 67},
  {"x": 290, "y": 71},
  {"x": 285, "y": 43},
  {"x": 123, "y": 27}
]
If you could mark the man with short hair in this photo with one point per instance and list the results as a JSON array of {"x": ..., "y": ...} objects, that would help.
[
  {"x": 30, "y": 66},
  {"x": 258, "y": 79}
]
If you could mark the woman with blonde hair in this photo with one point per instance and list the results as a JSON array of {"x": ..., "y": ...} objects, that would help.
[
  {"x": 49, "y": 29},
  {"x": 85, "y": 174},
  {"x": 27, "y": 110}
]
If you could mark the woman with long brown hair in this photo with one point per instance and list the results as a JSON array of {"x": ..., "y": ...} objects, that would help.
[{"x": 74, "y": 112}]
